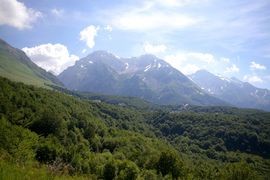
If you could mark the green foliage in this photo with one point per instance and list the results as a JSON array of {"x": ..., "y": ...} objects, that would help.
[
  {"x": 169, "y": 162},
  {"x": 49, "y": 123},
  {"x": 127, "y": 170},
  {"x": 238, "y": 171},
  {"x": 72, "y": 138},
  {"x": 214, "y": 134},
  {"x": 109, "y": 171},
  {"x": 11, "y": 171},
  {"x": 17, "y": 141}
]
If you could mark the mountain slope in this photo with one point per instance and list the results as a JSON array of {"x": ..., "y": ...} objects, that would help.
[
  {"x": 232, "y": 90},
  {"x": 66, "y": 135},
  {"x": 15, "y": 65},
  {"x": 146, "y": 77}
]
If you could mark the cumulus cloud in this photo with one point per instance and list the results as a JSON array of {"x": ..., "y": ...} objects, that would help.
[
  {"x": 256, "y": 66},
  {"x": 88, "y": 35},
  {"x": 176, "y": 59},
  {"x": 189, "y": 62},
  {"x": 191, "y": 56},
  {"x": 16, "y": 14},
  {"x": 51, "y": 57},
  {"x": 232, "y": 69},
  {"x": 205, "y": 57},
  {"x": 189, "y": 69},
  {"x": 253, "y": 79},
  {"x": 154, "y": 49},
  {"x": 178, "y": 62}
]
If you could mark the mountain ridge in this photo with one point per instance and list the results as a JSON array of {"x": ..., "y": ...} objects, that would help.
[
  {"x": 232, "y": 90},
  {"x": 147, "y": 77},
  {"x": 16, "y": 65}
]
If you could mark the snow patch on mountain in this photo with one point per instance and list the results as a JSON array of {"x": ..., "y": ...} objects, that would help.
[
  {"x": 126, "y": 66},
  {"x": 147, "y": 68}
]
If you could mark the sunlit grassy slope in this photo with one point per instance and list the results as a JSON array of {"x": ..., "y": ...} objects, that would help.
[
  {"x": 17, "y": 71},
  {"x": 15, "y": 65}
]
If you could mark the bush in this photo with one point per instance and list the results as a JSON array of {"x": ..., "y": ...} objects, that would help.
[
  {"x": 169, "y": 163},
  {"x": 49, "y": 123}
]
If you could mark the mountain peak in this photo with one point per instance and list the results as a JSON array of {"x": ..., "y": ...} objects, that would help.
[
  {"x": 146, "y": 76},
  {"x": 234, "y": 79},
  {"x": 149, "y": 56},
  {"x": 203, "y": 71},
  {"x": 232, "y": 90}
]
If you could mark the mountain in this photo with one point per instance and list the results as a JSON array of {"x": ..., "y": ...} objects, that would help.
[
  {"x": 146, "y": 77},
  {"x": 15, "y": 65},
  {"x": 232, "y": 90}
]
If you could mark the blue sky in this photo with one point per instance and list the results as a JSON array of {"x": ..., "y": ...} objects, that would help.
[{"x": 230, "y": 38}]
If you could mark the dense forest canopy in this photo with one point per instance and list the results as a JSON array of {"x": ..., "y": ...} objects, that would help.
[{"x": 46, "y": 134}]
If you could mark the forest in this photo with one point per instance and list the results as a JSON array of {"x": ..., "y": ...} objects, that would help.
[{"x": 52, "y": 134}]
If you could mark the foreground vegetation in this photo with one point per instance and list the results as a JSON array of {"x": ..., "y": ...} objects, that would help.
[{"x": 46, "y": 134}]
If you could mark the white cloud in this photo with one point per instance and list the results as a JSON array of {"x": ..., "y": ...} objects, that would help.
[
  {"x": 178, "y": 62},
  {"x": 171, "y": 3},
  {"x": 57, "y": 12},
  {"x": 188, "y": 62},
  {"x": 175, "y": 3},
  {"x": 189, "y": 69},
  {"x": 232, "y": 69},
  {"x": 108, "y": 28},
  {"x": 179, "y": 58},
  {"x": 158, "y": 20},
  {"x": 175, "y": 61},
  {"x": 255, "y": 66},
  {"x": 191, "y": 56},
  {"x": 205, "y": 57},
  {"x": 88, "y": 35},
  {"x": 154, "y": 49},
  {"x": 252, "y": 79},
  {"x": 16, "y": 14},
  {"x": 144, "y": 18},
  {"x": 51, "y": 57}
]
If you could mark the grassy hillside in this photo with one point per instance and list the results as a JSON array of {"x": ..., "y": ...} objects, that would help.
[
  {"x": 15, "y": 65},
  {"x": 60, "y": 136}
]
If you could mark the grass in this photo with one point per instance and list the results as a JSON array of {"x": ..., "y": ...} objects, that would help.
[
  {"x": 12, "y": 171},
  {"x": 17, "y": 71}
]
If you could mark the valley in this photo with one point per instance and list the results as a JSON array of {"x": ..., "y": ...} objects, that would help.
[{"x": 136, "y": 118}]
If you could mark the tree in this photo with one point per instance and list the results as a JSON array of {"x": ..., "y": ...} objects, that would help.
[
  {"x": 49, "y": 123},
  {"x": 170, "y": 163},
  {"x": 109, "y": 171},
  {"x": 128, "y": 170}
]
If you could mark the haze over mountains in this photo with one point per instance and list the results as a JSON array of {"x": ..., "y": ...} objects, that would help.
[
  {"x": 232, "y": 90},
  {"x": 146, "y": 76}
]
